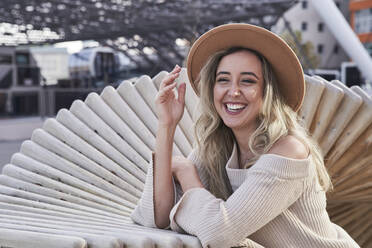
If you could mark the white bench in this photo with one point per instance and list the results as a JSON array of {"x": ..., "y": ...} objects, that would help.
[{"x": 77, "y": 180}]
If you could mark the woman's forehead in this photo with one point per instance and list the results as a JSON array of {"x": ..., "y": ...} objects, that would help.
[{"x": 241, "y": 61}]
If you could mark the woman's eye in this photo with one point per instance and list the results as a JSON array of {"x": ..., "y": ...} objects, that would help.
[
  {"x": 222, "y": 80},
  {"x": 250, "y": 81}
]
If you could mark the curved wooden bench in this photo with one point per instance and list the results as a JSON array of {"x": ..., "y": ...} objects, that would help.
[{"x": 75, "y": 183}]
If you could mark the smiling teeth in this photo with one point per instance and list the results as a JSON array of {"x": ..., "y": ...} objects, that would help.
[{"x": 235, "y": 106}]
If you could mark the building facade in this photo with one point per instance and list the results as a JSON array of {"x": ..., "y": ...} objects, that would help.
[
  {"x": 361, "y": 21},
  {"x": 303, "y": 18}
]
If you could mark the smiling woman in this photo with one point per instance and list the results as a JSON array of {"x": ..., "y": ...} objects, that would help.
[
  {"x": 255, "y": 178},
  {"x": 237, "y": 93}
]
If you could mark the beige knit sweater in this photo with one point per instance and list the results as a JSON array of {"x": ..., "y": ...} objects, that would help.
[{"x": 276, "y": 203}]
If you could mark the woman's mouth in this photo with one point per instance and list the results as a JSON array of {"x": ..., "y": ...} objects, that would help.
[{"x": 234, "y": 108}]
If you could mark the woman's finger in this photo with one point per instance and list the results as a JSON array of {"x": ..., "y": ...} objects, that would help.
[
  {"x": 169, "y": 87},
  {"x": 176, "y": 69},
  {"x": 170, "y": 77},
  {"x": 166, "y": 90},
  {"x": 168, "y": 80},
  {"x": 181, "y": 93}
]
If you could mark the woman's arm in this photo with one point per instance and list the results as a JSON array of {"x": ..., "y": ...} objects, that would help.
[
  {"x": 143, "y": 214},
  {"x": 169, "y": 111},
  {"x": 163, "y": 185},
  {"x": 158, "y": 196},
  {"x": 186, "y": 173},
  {"x": 270, "y": 187},
  {"x": 219, "y": 223}
]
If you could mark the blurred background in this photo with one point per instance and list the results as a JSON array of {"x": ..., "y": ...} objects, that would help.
[{"x": 55, "y": 51}]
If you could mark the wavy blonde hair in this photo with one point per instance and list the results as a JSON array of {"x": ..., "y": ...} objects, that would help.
[{"x": 215, "y": 140}]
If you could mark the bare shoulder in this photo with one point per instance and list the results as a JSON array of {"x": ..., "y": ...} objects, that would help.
[{"x": 291, "y": 147}]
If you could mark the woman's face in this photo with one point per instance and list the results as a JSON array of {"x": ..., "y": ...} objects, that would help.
[{"x": 238, "y": 90}]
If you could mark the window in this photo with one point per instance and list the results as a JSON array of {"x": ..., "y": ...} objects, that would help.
[
  {"x": 320, "y": 48},
  {"x": 368, "y": 46},
  {"x": 5, "y": 59},
  {"x": 22, "y": 58},
  {"x": 335, "y": 49},
  {"x": 304, "y": 26},
  {"x": 363, "y": 21},
  {"x": 320, "y": 26},
  {"x": 304, "y": 4}
]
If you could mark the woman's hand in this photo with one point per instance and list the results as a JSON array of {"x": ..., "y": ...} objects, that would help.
[
  {"x": 169, "y": 109},
  {"x": 185, "y": 173}
]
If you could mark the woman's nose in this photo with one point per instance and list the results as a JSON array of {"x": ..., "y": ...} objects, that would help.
[{"x": 235, "y": 91}]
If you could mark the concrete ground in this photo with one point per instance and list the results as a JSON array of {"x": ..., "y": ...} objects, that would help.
[
  {"x": 7, "y": 149},
  {"x": 12, "y": 133}
]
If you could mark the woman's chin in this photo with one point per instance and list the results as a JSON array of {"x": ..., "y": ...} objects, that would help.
[
  {"x": 239, "y": 125},
  {"x": 233, "y": 125}
]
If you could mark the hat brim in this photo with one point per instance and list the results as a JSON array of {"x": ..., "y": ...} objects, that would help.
[{"x": 283, "y": 60}]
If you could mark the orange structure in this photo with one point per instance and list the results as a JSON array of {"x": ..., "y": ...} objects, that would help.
[{"x": 361, "y": 21}]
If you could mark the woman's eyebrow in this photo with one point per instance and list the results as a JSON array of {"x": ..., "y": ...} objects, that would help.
[
  {"x": 223, "y": 72},
  {"x": 242, "y": 73},
  {"x": 249, "y": 73}
]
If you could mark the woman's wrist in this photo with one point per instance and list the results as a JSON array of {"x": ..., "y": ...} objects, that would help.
[
  {"x": 189, "y": 179},
  {"x": 165, "y": 133},
  {"x": 166, "y": 127},
  {"x": 191, "y": 184}
]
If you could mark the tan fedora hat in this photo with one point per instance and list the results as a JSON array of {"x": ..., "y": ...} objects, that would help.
[{"x": 283, "y": 60}]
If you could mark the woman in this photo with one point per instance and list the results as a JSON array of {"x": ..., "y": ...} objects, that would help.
[{"x": 255, "y": 177}]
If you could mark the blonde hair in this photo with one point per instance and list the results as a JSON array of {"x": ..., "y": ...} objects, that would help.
[{"x": 215, "y": 140}]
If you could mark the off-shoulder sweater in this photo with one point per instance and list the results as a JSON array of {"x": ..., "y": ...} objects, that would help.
[{"x": 277, "y": 202}]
